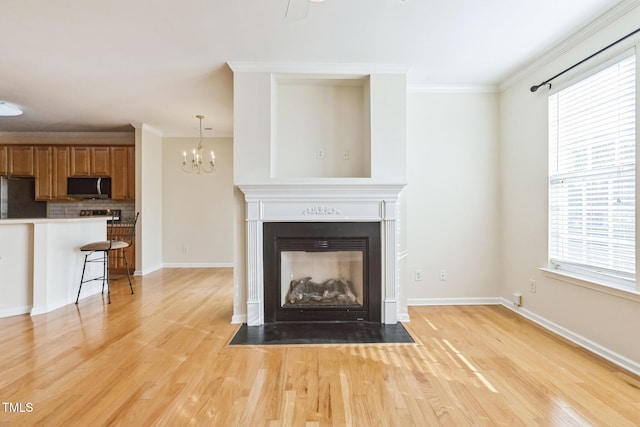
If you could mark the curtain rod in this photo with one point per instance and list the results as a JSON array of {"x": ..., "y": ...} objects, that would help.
[{"x": 548, "y": 81}]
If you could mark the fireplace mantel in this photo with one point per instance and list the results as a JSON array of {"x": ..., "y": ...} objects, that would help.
[{"x": 299, "y": 202}]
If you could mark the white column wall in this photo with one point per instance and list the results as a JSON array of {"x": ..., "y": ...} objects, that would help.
[
  {"x": 254, "y": 101},
  {"x": 148, "y": 199}
]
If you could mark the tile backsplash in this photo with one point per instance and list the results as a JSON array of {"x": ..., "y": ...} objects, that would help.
[{"x": 72, "y": 209}]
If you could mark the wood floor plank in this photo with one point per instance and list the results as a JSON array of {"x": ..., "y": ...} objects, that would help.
[{"x": 162, "y": 357}]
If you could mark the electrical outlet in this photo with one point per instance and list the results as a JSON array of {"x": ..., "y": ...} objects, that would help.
[
  {"x": 517, "y": 299},
  {"x": 185, "y": 249},
  {"x": 320, "y": 153},
  {"x": 346, "y": 155},
  {"x": 532, "y": 286},
  {"x": 443, "y": 275},
  {"x": 418, "y": 275}
]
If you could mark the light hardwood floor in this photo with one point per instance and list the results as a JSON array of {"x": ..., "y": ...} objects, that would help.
[{"x": 161, "y": 357}]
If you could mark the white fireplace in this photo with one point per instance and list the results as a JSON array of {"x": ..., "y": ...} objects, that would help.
[
  {"x": 318, "y": 143},
  {"x": 322, "y": 203}
]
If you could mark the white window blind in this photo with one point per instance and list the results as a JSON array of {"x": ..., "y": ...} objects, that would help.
[{"x": 592, "y": 156}]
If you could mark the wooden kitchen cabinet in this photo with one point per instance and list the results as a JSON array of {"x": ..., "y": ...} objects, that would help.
[
  {"x": 61, "y": 162},
  {"x": 123, "y": 185},
  {"x": 116, "y": 260},
  {"x": 20, "y": 160},
  {"x": 43, "y": 157},
  {"x": 90, "y": 161},
  {"x": 100, "y": 161},
  {"x": 51, "y": 165},
  {"x": 51, "y": 172},
  {"x": 80, "y": 161},
  {"x": 3, "y": 160}
]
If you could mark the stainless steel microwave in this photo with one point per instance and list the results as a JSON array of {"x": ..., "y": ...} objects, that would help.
[{"x": 89, "y": 188}]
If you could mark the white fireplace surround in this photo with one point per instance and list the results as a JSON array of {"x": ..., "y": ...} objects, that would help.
[{"x": 322, "y": 203}]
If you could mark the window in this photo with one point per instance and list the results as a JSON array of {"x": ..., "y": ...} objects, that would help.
[{"x": 592, "y": 179}]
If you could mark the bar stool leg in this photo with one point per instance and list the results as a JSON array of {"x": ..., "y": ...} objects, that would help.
[
  {"x": 104, "y": 271},
  {"x": 84, "y": 266},
  {"x": 108, "y": 275},
  {"x": 126, "y": 266}
]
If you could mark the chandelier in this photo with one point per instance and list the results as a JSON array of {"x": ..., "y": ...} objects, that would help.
[{"x": 195, "y": 165}]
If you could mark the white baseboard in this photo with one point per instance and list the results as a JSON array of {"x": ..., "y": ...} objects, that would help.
[
  {"x": 146, "y": 271},
  {"x": 15, "y": 311},
  {"x": 237, "y": 319},
  {"x": 404, "y": 318},
  {"x": 49, "y": 307},
  {"x": 583, "y": 342},
  {"x": 453, "y": 301},
  {"x": 87, "y": 291}
]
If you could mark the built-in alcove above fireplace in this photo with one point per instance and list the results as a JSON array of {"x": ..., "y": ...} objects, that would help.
[{"x": 322, "y": 271}]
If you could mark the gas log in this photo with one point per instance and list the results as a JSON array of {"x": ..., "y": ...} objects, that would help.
[{"x": 331, "y": 291}]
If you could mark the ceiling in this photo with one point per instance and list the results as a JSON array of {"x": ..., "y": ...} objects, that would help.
[{"x": 101, "y": 65}]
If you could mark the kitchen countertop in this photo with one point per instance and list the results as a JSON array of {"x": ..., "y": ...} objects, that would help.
[{"x": 52, "y": 220}]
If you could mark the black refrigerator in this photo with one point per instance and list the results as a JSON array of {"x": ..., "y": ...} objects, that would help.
[{"x": 18, "y": 199}]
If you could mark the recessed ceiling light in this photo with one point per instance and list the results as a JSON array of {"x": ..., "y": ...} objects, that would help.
[{"x": 7, "y": 109}]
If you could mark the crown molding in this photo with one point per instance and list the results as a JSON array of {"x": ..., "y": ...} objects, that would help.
[
  {"x": 328, "y": 68},
  {"x": 147, "y": 128},
  {"x": 595, "y": 26},
  {"x": 66, "y": 134}
]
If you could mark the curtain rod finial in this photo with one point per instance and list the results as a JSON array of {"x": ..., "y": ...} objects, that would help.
[{"x": 536, "y": 87}]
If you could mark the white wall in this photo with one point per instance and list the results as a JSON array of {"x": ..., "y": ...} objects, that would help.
[
  {"x": 148, "y": 199},
  {"x": 197, "y": 209},
  {"x": 600, "y": 320},
  {"x": 316, "y": 123},
  {"x": 452, "y": 197}
]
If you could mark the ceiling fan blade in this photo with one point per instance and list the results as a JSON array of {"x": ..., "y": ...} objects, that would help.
[{"x": 296, "y": 9}]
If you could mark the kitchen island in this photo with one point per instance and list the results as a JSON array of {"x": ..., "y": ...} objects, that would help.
[{"x": 41, "y": 264}]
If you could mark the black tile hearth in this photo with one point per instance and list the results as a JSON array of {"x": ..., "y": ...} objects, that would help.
[{"x": 321, "y": 333}]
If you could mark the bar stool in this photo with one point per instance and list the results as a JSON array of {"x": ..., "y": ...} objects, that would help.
[{"x": 120, "y": 236}]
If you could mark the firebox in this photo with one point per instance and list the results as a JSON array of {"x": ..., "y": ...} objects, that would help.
[{"x": 322, "y": 271}]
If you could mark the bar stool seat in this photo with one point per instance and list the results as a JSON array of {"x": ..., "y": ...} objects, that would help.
[
  {"x": 120, "y": 235},
  {"x": 105, "y": 245}
]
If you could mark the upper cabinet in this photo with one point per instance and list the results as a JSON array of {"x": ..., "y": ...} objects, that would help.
[
  {"x": 51, "y": 172},
  {"x": 20, "y": 160},
  {"x": 80, "y": 161},
  {"x": 44, "y": 172},
  {"x": 51, "y": 165},
  {"x": 100, "y": 161},
  {"x": 3, "y": 160},
  {"x": 123, "y": 186},
  {"x": 90, "y": 161},
  {"x": 61, "y": 171}
]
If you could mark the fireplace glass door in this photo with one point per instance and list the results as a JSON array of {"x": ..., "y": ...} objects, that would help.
[
  {"x": 322, "y": 272},
  {"x": 321, "y": 279}
]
